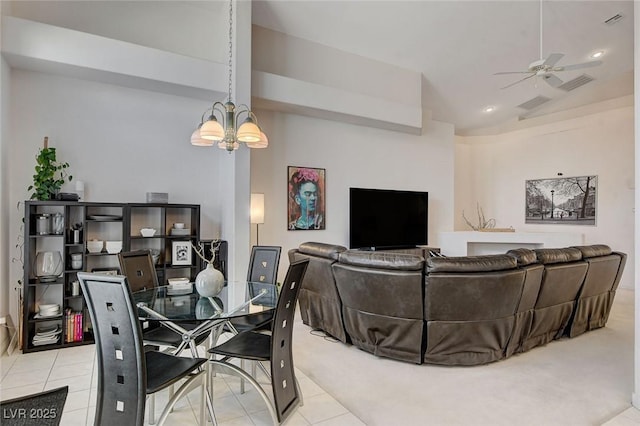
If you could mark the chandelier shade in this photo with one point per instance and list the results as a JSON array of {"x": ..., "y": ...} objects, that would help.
[
  {"x": 198, "y": 140},
  {"x": 212, "y": 130},
  {"x": 222, "y": 128}
]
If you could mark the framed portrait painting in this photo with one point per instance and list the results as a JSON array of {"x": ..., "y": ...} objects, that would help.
[
  {"x": 306, "y": 195},
  {"x": 181, "y": 253},
  {"x": 565, "y": 200}
]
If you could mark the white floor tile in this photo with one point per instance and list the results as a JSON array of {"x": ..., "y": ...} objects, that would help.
[
  {"x": 74, "y": 418},
  {"x": 71, "y": 370},
  {"x": 321, "y": 407},
  {"x": 24, "y": 378},
  {"x": 18, "y": 391},
  {"x": 77, "y": 383},
  {"x": 343, "y": 420},
  {"x": 76, "y": 401}
]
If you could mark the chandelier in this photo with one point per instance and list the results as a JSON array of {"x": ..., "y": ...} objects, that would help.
[{"x": 225, "y": 132}]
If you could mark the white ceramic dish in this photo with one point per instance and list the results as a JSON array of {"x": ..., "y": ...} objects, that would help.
[
  {"x": 148, "y": 232},
  {"x": 95, "y": 246},
  {"x": 176, "y": 231},
  {"x": 113, "y": 247}
]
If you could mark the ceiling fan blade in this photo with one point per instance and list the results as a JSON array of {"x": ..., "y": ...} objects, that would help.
[
  {"x": 552, "y": 80},
  {"x": 552, "y": 59},
  {"x": 512, "y": 72},
  {"x": 519, "y": 81},
  {"x": 578, "y": 66}
]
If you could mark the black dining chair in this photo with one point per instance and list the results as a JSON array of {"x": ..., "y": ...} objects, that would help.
[
  {"x": 141, "y": 274},
  {"x": 39, "y": 409},
  {"x": 128, "y": 374},
  {"x": 263, "y": 269},
  {"x": 275, "y": 347}
]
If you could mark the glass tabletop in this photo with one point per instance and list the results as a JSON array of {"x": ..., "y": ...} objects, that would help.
[{"x": 237, "y": 298}]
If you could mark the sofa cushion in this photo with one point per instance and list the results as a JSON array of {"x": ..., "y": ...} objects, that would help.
[
  {"x": 329, "y": 251},
  {"x": 558, "y": 255},
  {"x": 382, "y": 260},
  {"x": 487, "y": 263},
  {"x": 523, "y": 256},
  {"x": 594, "y": 250}
]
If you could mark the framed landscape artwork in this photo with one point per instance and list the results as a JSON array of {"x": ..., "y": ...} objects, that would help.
[
  {"x": 566, "y": 201},
  {"x": 306, "y": 195}
]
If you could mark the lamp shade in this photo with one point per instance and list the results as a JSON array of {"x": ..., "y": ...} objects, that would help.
[
  {"x": 257, "y": 208},
  {"x": 248, "y": 131},
  {"x": 212, "y": 130},
  {"x": 196, "y": 140},
  {"x": 262, "y": 143}
]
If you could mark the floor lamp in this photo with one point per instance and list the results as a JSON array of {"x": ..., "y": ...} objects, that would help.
[{"x": 257, "y": 212}]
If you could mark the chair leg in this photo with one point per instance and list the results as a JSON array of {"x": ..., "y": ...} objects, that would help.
[
  {"x": 152, "y": 409},
  {"x": 182, "y": 390},
  {"x": 254, "y": 382}
]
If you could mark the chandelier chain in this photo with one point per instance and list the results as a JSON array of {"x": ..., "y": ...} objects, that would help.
[{"x": 230, "y": 45}]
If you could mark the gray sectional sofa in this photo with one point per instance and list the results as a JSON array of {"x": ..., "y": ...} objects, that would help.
[{"x": 456, "y": 310}]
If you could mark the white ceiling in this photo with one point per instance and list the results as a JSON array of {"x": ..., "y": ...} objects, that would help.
[{"x": 459, "y": 45}]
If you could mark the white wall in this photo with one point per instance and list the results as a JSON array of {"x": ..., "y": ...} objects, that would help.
[
  {"x": 353, "y": 156},
  {"x": 492, "y": 170},
  {"x": 121, "y": 142},
  {"x": 6, "y": 247},
  {"x": 199, "y": 29}
]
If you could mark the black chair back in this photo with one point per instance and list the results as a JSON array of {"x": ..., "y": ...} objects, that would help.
[
  {"x": 285, "y": 391},
  {"x": 121, "y": 361},
  {"x": 48, "y": 405},
  {"x": 263, "y": 267},
  {"x": 138, "y": 267}
]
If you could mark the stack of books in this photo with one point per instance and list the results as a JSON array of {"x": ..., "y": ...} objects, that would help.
[{"x": 74, "y": 328}]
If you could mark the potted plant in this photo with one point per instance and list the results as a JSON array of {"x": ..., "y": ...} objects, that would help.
[{"x": 50, "y": 175}]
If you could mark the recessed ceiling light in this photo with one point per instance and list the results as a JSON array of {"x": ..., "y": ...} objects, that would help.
[
  {"x": 489, "y": 109},
  {"x": 597, "y": 54}
]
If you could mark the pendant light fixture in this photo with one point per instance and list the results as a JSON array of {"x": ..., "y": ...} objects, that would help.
[{"x": 225, "y": 132}]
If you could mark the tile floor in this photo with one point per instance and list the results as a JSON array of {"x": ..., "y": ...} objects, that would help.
[{"x": 23, "y": 374}]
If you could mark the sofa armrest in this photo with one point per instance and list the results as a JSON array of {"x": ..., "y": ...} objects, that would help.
[{"x": 329, "y": 251}]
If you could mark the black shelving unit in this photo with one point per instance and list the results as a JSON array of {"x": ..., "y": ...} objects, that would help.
[{"x": 104, "y": 222}]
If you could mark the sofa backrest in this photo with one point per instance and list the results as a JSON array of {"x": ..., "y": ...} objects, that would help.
[
  {"x": 320, "y": 305},
  {"x": 602, "y": 271},
  {"x": 381, "y": 277},
  {"x": 528, "y": 262},
  {"x": 321, "y": 256},
  {"x": 382, "y": 302},
  {"x": 472, "y": 287},
  {"x": 564, "y": 272}
]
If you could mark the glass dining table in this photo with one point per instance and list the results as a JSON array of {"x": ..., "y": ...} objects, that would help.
[{"x": 190, "y": 315}]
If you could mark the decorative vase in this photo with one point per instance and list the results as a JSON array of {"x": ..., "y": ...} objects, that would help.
[
  {"x": 209, "y": 281},
  {"x": 48, "y": 265}
]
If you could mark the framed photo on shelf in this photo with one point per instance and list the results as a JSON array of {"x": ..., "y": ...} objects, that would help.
[{"x": 181, "y": 253}]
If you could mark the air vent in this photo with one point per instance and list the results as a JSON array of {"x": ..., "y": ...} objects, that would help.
[
  {"x": 534, "y": 103},
  {"x": 575, "y": 83},
  {"x": 614, "y": 19}
]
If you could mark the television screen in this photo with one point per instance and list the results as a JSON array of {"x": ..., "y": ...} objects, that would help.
[{"x": 380, "y": 218}]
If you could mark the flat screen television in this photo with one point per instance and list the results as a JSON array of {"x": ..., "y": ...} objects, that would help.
[{"x": 383, "y": 218}]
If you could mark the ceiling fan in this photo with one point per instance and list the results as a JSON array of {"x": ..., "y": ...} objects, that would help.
[{"x": 546, "y": 67}]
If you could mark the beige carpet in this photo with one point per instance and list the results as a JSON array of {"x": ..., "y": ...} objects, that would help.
[{"x": 586, "y": 380}]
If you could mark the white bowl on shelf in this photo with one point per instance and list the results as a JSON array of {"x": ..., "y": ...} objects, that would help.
[
  {"x": 113, "y": 247},
  {"x": 148, "y": 232},
  {"x": 95, "y": 246}
]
